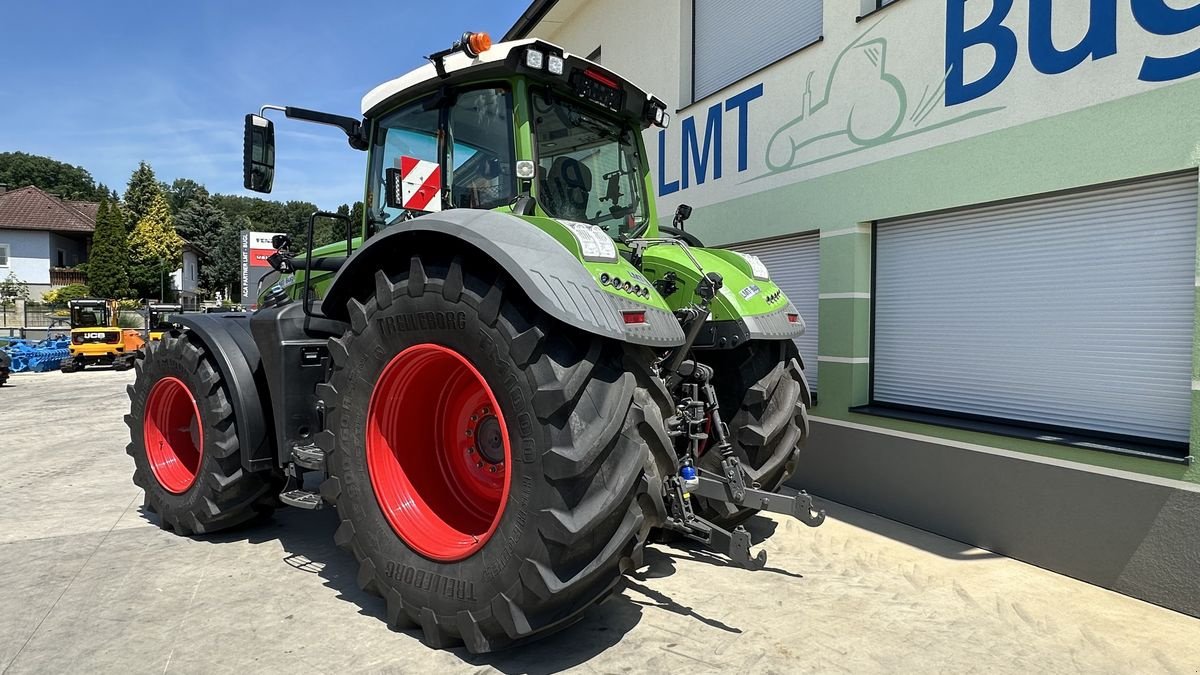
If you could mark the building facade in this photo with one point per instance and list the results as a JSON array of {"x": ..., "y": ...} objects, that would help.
[
  {"x": 43, "y": 237},
  {"x": 186, "y": 279},
  {"x": 987, "y": 212}
]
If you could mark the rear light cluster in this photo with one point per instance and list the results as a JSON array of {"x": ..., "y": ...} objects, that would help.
[{"x": 594, "y": 84}]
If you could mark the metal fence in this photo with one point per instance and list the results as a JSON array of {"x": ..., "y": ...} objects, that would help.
[{"x": 39, "y": 315}]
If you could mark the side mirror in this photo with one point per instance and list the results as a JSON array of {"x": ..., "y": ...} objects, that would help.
[
  {"x": 258, "y": 154},
  {"x": 281, "y": 262},
  {"x": 682, "y": 213},
  {"x": 280, "y": 241}
]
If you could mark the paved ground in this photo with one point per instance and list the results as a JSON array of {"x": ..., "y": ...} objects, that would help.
[{"x": 89, "y": 584}]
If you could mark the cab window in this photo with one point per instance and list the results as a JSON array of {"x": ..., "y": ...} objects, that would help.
[{"x": 475, "y": 128}]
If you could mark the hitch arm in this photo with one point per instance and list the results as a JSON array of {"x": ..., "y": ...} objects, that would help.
[{"x": 799, "y": 507}]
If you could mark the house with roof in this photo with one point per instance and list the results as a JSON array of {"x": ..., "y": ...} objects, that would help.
[{"x": 44, "y": 237}]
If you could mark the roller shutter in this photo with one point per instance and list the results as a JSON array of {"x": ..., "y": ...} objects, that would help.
[
  {"x": 1072, "y": 310},
  {"x": 794, "y": 264},
  {"x": 734, "y": 38}
]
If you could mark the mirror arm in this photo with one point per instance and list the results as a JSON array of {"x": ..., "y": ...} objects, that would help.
[{"x": 355, "y": 130}]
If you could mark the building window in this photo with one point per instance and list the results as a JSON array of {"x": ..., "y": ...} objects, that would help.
[
  {"x": 870, "y": 6},
  {"x": 3, "y": 255},
  {"x": 62, "y": 257},
  {"x": 795, "y": 265},
  {"x": 732, "y": 38},
  {"x": 1071, "y": 314}
]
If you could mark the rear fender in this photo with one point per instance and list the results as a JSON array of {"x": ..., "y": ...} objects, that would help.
[
  {"x": 227, "y": 339},
  {"x": 550, "y": 275}
]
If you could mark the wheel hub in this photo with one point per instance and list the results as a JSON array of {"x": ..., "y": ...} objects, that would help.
[{"x": 489, "y": 443}]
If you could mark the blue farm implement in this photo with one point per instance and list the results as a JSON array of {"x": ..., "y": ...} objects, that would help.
[{"x": 36, "y": 357}]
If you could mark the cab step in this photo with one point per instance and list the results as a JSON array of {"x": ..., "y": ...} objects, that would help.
[
  {"x": 309, "y": 456},
  {"x": 302, "y": 499}
]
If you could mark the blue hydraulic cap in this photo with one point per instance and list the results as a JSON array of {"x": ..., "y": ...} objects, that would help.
[{"x": 687, "y": 473}]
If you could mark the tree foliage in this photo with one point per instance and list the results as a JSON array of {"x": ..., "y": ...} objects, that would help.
[
  {"x": 290, "y": 218},
  {"x": 59, "y": 297},
  {"x": 18, "y": 169},
  {"x": 206, "y": 226},
  {"x": 181, "y": 193},
  {"x": 142, "y": 189},
  {"x": 108, "y": 266},
  {"x": 12, "y": 288},
  {"x": 155, "y": 249}
]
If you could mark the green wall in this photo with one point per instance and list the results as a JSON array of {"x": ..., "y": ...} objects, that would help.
[{"x": 1152, "y": 133}]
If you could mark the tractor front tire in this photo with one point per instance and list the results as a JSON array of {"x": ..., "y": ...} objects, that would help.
[
  {"x": 184, "y": 443},
  {"x": 763, "y": 397},
  {"x": 488, "y": 464}
]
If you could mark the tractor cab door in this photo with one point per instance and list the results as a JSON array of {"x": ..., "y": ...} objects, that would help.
[{"x": 454, "y": 149}]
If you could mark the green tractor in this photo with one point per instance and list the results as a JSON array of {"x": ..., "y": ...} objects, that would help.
[{"x": 507, "y": 378}]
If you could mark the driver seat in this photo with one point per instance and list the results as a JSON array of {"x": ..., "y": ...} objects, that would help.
[{"x": 567, "y": 186}]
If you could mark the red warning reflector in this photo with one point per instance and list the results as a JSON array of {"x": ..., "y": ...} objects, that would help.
[
  {"x": 793, "y": 318},
  {"x": 634, "y": 316}
]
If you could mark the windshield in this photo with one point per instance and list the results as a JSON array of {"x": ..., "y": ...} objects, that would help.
[
  {"x": 589, "y": 167},
  {"x": 89, "y": 316}
]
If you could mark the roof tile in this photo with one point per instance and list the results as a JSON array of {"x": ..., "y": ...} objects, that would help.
[{"x": 30, "y": 208}]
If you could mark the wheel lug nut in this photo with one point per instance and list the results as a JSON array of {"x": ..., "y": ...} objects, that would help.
[{"x": 470, "y": 433}]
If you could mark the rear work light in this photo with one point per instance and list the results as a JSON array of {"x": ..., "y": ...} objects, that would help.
[
  {"x": 554, "y": 64},
  {"x": 534, "y": 59}
]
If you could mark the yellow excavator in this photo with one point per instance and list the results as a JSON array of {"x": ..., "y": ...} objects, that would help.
[
  {"x": 98, "y": 339},
  {"x": 160, "y": 318}
]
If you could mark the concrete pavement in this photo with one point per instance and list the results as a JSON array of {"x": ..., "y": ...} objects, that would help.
[{"x": 89, "y": 583}]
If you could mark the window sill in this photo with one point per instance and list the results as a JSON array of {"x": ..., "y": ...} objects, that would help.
[
  {"x": 1080, "y": 440},
  {"x": 859, "y": 19}
]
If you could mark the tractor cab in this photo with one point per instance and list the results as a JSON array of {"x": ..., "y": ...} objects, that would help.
[{"x": 160, "y": 318}]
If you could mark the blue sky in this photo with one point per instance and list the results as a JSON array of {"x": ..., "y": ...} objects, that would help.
[{"x": 106, "y": 84}]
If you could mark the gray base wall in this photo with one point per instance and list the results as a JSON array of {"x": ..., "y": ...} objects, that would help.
[{"x": 1134, "y": 534}]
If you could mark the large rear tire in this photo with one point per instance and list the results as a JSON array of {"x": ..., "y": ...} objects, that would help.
[
  {"x": 492, "y": 541},
  {"x": 184, "y": 443},
  {"x": 764, "y": 398}
]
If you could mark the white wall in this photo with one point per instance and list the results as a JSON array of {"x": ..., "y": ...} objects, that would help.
[
  {"x": 28, "y": 255},
  {"x": 871, "y": 90}
]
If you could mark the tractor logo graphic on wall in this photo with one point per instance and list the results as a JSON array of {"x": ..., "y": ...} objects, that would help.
[{"x": 862, "y": 106}]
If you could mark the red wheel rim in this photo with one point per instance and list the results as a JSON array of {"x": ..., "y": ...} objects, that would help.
[
  {"x": 173, "y": 435},
  {"x": 438, "y": 452}
]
